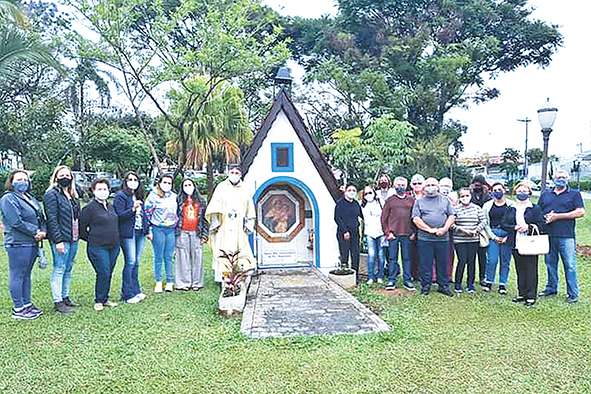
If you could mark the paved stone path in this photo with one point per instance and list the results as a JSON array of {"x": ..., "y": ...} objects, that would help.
[{"x": 303, "y": 302}]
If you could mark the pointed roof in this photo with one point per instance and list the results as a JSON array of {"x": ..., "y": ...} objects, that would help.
[{"x": 283, "y": 102}]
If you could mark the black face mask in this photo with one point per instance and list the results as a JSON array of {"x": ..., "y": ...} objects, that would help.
[{"x": 64, "y": 182}]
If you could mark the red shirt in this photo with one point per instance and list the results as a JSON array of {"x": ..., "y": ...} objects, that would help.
[{"x": 190, "y": 215}]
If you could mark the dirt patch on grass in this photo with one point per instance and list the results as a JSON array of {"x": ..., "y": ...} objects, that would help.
[
  {"x": 395, "y": 293},
  {"x": 584, "y": 250}
]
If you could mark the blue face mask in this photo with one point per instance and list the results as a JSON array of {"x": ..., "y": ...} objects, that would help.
[
  {"x": 21, "y": 186},
  {"x": 560, "y": 183},
  {"x": 498, "y": 194},
  {"x": 522, "y": 196},
  {"x": 400, "y": 190}
]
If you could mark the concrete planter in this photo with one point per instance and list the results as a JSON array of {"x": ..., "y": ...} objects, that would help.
[
  {"x": 234, "y": 305},
  {"x": 345, "y": 280}
]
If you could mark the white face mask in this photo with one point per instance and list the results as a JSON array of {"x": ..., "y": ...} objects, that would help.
[
  {"x": 351, "y": 195},
  {"x": 189, "y": 190},
  {"x": 234, "y": 178},
  {"x": 369, "y": 197},
  {"x": 445, "y": 190},
  {"x": 166, "y": 187},
  {"x": 101, "y": 195},
  {"x": 132, "y": 185},
  {"x": 465, "y": 200}
]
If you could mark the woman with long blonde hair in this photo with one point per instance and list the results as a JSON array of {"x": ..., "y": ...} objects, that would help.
[{"x": 62, "y": 210}]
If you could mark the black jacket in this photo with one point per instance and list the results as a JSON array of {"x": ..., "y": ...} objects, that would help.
[
  {"x": 347, "y": 215},
  {"x": 532, "y": 215},
  {"x": 60, "y": 212},
  {"x": 123, "y": 205}
]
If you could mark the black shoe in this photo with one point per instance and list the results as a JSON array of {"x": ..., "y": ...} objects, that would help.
[
  {"x": 530, "y": 303},
  {"x": 445, "y": 291},
  {"x": 425, "y": 291},
  {"x": 69, "y": 302},
  {"x": 572, "y": 299},
  {"x": 502, "y": 289},
  {"x": 61, "y": 307},
  {"x": 547, "y": 293},
  {"x": 518, "y": 299}
]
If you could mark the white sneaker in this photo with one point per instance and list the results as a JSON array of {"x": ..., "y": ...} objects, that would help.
[
  {"x": 110, "y": 304},
  {"x": 98, "y": 306},
  {"x": 380, "y": 281},
  {"x": 134, "y": 299},
  {"x": 370, "y": 282},
  {"x": 158, "y": 287},
  {"x": 141, "y": 296},
  {"x": 168, "y": 287}
]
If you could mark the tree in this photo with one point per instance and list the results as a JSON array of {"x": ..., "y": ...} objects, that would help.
[
  {"x": 219, "y": 127},
  {"x": 510, "y": 164},
  {"x": 384, "y": 147},
  {"x": 431, "y": 55},
  {"x": 160, "y": 43},
  {"x": 534, "y": 155}
]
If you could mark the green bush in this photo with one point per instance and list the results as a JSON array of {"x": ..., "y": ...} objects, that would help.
[
  {"x": 202, "y": 184},
  {"x": 40, "y": 182},
  {"x": 585, "y": 184}
]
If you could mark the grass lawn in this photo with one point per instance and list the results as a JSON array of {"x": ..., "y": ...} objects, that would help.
[{"x": 176, "y": 343}]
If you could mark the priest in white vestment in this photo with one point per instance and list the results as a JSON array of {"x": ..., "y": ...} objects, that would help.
[{"x": 231, "y": 215}]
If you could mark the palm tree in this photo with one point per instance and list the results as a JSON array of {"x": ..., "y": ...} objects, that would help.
[
  {"x": 220, "y": 127},
  {"x": 18, "y": 44}
]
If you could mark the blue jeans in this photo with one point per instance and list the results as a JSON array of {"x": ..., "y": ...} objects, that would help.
[
  {"x": 429, "y": 251},
  {"x": 394, "y": 271},
  {"x": 132, "y": 251},
  {"x": 566, "y": 248},
  {"x": 373, "y": 245},
  {"x": 498, "y": 253},
  {"x": 103, "y": 260},
  {"x": 62, "y": 270},
  {"x": 163, "y": 242},
  {"x": 20, "y": 264}
]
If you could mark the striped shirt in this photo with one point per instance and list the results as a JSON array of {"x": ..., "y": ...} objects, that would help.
[{"x": 468, "y": 218}]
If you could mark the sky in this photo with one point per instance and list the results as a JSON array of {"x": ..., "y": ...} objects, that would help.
[{"x": 493, "y": 126}]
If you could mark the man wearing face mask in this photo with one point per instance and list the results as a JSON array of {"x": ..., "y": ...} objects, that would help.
[
  {"x": 560, "y": 207},
  {"x": 480, "y": 195},
  {"x": 231, "y": 215},
  {"x": 347, "y": 213},
  {"x": 433, "y": 214},
  {"x": 396, "y": 224}
]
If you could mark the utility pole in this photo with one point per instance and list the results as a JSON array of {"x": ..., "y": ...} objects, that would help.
[{"x": 526, "y": 120}]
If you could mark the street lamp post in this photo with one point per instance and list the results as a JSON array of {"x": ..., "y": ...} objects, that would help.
[
  {"x": 526, "y": 120},
  {"x": 452, "y": 152},
  {"x": 546, "y": 116}
]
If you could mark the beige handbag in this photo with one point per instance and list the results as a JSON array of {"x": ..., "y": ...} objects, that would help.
[
  {"x": 533, "y": 244},
  {"x": 483, "y": 239}
]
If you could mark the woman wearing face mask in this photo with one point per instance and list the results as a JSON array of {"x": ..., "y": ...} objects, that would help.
[
  {"x": 499, "y": 251},
  {"x": 372, "y": 213},
  {"x": 99, "y": 227},
  {"x": 192, "y": 232},
  {"x": 62, "y": 210},
  {"x": 133, "y": 229},
  {"x": 24, "y": 226},
  {"x": 469, "y": 222},
  {"x": 347, "y": 213},
  {"x": 161, "y": 211},
  {"x": 518, "y": 221},
  {"x": 384, "y": 190}
]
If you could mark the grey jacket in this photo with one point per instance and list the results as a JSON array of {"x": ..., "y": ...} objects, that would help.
[{"x": 21, "y": 219}]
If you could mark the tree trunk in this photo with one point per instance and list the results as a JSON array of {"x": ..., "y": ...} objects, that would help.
[{"x": 209, "y": 178}]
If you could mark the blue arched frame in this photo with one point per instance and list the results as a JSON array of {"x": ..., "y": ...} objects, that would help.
[{"x": 297, "y": 183}]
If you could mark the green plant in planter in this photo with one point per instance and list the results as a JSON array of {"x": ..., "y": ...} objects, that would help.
[
  {"x": 343, "y": 269},
  {"x": 233, "y": 274}
]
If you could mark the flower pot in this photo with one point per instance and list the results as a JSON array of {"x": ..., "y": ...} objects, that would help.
[
  {"x": 344, "y": 278},
  {"x": 234, "y": 305}
]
